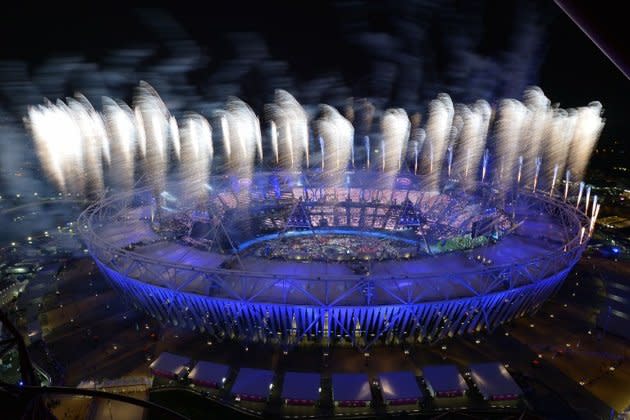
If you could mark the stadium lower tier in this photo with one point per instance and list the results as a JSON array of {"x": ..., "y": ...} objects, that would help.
[{"x": 363, "y": 326}]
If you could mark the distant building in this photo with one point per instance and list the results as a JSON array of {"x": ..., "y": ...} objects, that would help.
[
  {"x": 399, "y": 388},
  {"x": 494, "y": 382},
  {"x": 253, "y": 384},
  {"x": 351, "y": 389},
  {"x": 208, "y": 374},
  {"x": 444, "y": 381},
  {"x": 170, "y": 366},
  {"x": 301, "y": 388}
]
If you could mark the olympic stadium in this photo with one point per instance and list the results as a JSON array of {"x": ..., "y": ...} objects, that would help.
[{"x": 283, "y": 258}]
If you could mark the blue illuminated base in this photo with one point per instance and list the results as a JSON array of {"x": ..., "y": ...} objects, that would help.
[{"x": 363, "y": 326}]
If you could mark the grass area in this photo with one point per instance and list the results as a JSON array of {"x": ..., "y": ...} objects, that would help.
[{"x": 191, "y": 405}]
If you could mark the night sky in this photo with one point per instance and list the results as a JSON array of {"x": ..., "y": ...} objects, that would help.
[{"x": 402, "y": 52}]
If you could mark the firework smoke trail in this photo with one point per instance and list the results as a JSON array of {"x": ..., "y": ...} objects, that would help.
[
  {"x": 289, "y": 130},
  {"x": 352, "y": 153},
  {"x": 395, "y": 127},
  {"x": 273, "y": 137},
  {"x": 535, "y": 129},
  {"x": 364, "y": 117},
  {"x": 416, "y": 131},
  {"x": 349, "y": 115},
  {"x": 322, "y": 148},
  {"x": 75, "y": 164},
  {"x": 456, "y": 129},
  {"x": 486, "y": 157},
  {"x": 196, "y": 155},
  {"x": 225, "y": 134},
  {"x": 561, "y": 131},
  {"x": 472, "y": 141},
  {"x": 259, "y": 148},
  {"x": 93, "y": 142},
  {"x": 383, "y": 154},
  {"x": 336, "y": 133},
  {"x": 243, "y": 136},
  {"x": 73, "y": 141},
  {"x": 57, "y": 139},
  {"x": 467, "y": 141},
  {"x": 487, "y": 116},
  {"x": 553, "y": 180},
  {"x": 537, "y": 164},
  {"x": 417, "y": 135},
  {"x": 509, "y": 126},
  {"x": 120, "y": 125},
  {"x": 438, "y": 130},
  {"x": 174, "y": 136},
  {"x": 281, "y": 137},
  {"x": 141, "y": 135},
  {"x": 579, "y": 197},
  {"x": 416, "y": 152},
  {"x": 152, "y": 119},
  {"x": 587, "y": 130}
]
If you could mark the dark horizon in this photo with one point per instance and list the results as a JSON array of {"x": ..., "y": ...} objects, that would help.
[
  {"x": 401, "y": 55},
  {"x": 346, "y": 40}
]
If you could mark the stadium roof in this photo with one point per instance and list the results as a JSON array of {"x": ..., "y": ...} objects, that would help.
[
  {"x": 169, "y": 364},
  {"x": 208, "y": 373},
  {"x": 301, "y": 386},
  {"x": 399, "y": 386},
  {"x": 351, "y": 387},
  {"x": 253, "y": 383},
  {"x": 444, "y": 379},
  {"x": 494, "y": 381}
]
